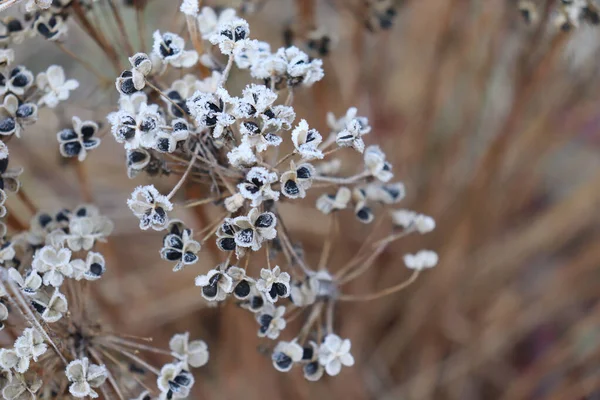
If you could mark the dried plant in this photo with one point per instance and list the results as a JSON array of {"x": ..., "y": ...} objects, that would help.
[{"x": 267, "y": 170}]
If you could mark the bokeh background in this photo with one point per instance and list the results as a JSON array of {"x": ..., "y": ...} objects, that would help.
[{"x": 492, "y": 124}]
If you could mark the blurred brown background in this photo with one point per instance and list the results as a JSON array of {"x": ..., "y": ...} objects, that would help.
[{"x": 492, "y": 125}]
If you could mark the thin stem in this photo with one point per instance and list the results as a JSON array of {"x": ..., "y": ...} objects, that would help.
[
  {"x": 9, "y": 3},
  {"x": 382, "y": 293},
  {"x": 226, "y": 71},
  {"x": 330, "y": 311},
  {"x": 328, "y": 242},
  {"x": 137, "y": 346},
  {"x": 380, "y": 247},
  {"x": 290, "y": 97},
  {"x": 192, "y": 28},
  {"x": 195, "y": 203},
  {"x": 133, "y": 357},
  {"x": 121, "y": 26},
  {"x": 314, "y": 314},
  {"x": 285, "y": 158},
  {"x": 343, "y": 181},
  {"x": 27, "y": 201},
  {"x": 268, "y": 255},
  {"x": 141, "y": 25},
  {"x": 84, "y": 63},
  {"x": 331, "y": 151},
  {"x": 184, "y": 176}
]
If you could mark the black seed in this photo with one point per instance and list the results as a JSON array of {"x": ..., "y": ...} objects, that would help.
[
  {"x": 126, "y": 86},
  {"x": 163, "y": 145},
  {"x": 303, "y": 173},
  {"x": 251, "y": 127},
  {"x": 265, "y": 321},
  {"x": 273, "y": 292},
  {"x": 63, "y": 216},
  {"x": 127, "y": 133},
  {"x": 7, "y": 125},
  {"x": 71, "y": 149},
  {"x": 96, "y": 269},
  {"x": 174, "y": 95},
  {"x": 269, "y": 113},
  {"x": 44, "y": 31},
  {"x": 20, "y": 80},
  {"x": 210, "y": 291},
  {"x": 88, "y": 131},
  {"x": 291, "y": 188},
  {"x": 227, "y": 244},
  {"x": 310, "y": 136},
  {"x": 392, "y": 191},
  {"x": 210, "y": 120},
  {"x": 136, "y": 157},
  {"x": 252, "y": 188},
  {"x": 227, "y": 229},
  {"x": 38, "y": 307},
  {"x": 264, "y": 220},
  {"x": 14, "y": 25},
  {"x": 242, "y": 289},
  {"x": 126, "y": 74},
  {"x": 311, "y": 368},
  {"x": 68, "y": 134},
  {"x": 246, "y": 235},
  {"x": 44, "y": 219},
  {"x": 283, "y": 361},
  {"x": 280, "y": 288},
  {"x": 147, "y": 125},
  {"x": 189, "y": 257},
  {"x": 364, "y": 214},
  {"x": 251, "y": 109},
  {"x": 138, "y": 60},
  {"x": 82, "y": 212},
  {"x": 172, "y": 255},
  {"x": 25, "y": 110},
  {"x": 165, "y": 50},
  {"x": 173, "y": 240},
  {"x": 256, "y": 302},
  {"x": 180, "y": 126},
  {"x": 240, "y": 33},
  {"x": 307, "y": 353},
  {"x": 227, "y": 34},
  {"x": 182, "y": 379}
]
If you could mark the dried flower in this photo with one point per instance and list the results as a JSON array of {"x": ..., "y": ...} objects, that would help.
[
  {"x": 181, "y": 248},
  {"x": 150, "y": 207},
  {"x": 296, "y": 181},
  {"x": 285, "y": 355},
  {"x": 53, "y": 264},
  {"x": 271, "y": 321},
  {"x": 174, "y": 381},
  {"x": 421, "y": 260},
  {"x": 215, "y": 285},
  {"x": 193, "y": 353},
  {"x": 30, "y": 284},
  {"x": 51, "y": 307},
  {"x": 55, "y": 86},
  {"x": 335, "y": 352},
  {"x": 84, "y": 377},
  {"x": 274, "y": 283},
  {"x": 170, "y": 48},
  {"x": 77, "y": 141},
  {"x": 307, "y": 141},
  {"x": 258, "y": 186}
]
